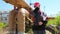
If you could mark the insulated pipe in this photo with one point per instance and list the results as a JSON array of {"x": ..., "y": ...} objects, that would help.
[{"x": 12, "y": 22}]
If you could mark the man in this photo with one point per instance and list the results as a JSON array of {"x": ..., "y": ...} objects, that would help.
[{"x": 39, "y": 20}]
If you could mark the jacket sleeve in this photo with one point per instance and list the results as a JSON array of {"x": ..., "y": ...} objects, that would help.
[
  {"x": 44, "y": 18},
  {"x": 45, "y": 21}
]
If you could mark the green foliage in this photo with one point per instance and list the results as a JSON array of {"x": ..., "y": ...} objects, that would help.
[
  {"x": 58, "y": 20},
  {"x": 55, "y": 21},
  {"x": 2, "y": 25}
]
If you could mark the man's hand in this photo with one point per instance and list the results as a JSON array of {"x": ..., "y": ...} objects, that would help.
[{"x": 40, "y": 23}]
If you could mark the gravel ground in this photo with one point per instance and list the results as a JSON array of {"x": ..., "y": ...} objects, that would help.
[{"x": 4, "y": 31}]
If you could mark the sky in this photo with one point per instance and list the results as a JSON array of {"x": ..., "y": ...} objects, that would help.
[{"x": 50, "y": 7}]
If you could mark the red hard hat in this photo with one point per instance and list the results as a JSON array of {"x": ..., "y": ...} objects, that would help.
[{"x": 36, "y": 3}]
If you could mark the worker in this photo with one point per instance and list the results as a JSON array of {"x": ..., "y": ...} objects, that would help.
[{"x": 39, "y": 20}]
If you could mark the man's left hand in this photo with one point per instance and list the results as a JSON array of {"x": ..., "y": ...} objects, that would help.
[{"x": 40, "y": 23}]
